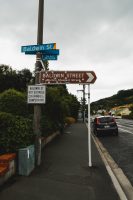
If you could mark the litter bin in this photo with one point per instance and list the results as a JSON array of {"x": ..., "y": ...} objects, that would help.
[{"x": 26, "y": 160}]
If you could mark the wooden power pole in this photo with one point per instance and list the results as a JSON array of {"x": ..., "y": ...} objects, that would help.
[{"x": 38, "y": 67}]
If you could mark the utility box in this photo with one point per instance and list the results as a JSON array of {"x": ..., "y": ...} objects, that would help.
[{"x": 26, "y": 160}]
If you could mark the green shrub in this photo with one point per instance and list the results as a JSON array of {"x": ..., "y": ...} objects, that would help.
[
  {"x": 15, "y": 132},
  {"x": 70, "y": 120},
  {"x": 48, "y": 126},
  {"x": 12, "y": 101}
]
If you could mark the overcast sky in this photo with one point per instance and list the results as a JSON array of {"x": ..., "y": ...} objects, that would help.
[{"x": 94, "y": 35}]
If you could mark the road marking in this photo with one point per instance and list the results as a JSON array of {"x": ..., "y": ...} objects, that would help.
[{"x": 124, "y": 130}]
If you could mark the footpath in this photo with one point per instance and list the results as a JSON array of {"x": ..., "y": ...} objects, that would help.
[{"x": 64, "y": 173}]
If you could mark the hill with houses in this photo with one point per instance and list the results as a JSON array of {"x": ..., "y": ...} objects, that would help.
[{"x": 119, "y": 103}]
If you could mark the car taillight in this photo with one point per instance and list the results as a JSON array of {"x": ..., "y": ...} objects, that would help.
[{"x": 97, "y": 121}]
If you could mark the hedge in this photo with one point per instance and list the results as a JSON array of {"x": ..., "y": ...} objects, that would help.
[
  {"x": 15, "y": 132},
  {"x": 14, "y": 102},
  {"x": 48, "y": 126}
]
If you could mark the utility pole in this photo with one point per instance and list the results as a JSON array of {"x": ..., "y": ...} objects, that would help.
[
  {"x": 38, "y": 67},
  {"x": 83, "y": 102}
]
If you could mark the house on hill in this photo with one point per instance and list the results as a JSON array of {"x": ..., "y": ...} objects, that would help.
[{"x": 121, "y": 110}]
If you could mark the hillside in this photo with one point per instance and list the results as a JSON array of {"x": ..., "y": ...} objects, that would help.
[{"x": 123, "y": 97}]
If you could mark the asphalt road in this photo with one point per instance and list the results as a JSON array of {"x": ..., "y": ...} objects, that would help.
[{"x": 121, "y": 147}]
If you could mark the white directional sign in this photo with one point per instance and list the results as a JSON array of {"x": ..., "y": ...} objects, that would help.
[{"x": 36, "y": 94}]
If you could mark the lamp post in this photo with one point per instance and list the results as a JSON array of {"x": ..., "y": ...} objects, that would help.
[{"x": 38, "y": 67}]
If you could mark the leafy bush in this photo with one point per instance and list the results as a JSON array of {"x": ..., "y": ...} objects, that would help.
[
  {"x": 70, "y": 120},
  {"x": 12, "y": 101},
  {"x": 15, "y": 132},
  {"x": 48, "y": 126}
]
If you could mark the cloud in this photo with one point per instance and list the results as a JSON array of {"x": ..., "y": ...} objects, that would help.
[{"x": 91, "y": 35}]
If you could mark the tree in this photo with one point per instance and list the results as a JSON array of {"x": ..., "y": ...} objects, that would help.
[
  {"x": 10, "y": 78},
  {"x": 25, "y": 77},
  {"x": 5, "y": 70},
  {"x": 74, "y": 105},
  {"x": 7, "y": 77}
]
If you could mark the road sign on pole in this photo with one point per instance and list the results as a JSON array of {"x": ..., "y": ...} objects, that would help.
[
  {"x": 49, "y": 57},
  {"x": 44, "y": 52},
  {"x": 36, "y": 94},
  {"x": 33, "y": 49},
  {"x": 67, "y": 77},
  {"x": 51, "y": 52}
]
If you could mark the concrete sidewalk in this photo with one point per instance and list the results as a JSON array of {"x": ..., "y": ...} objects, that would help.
[{"x": 64, "y": 173}]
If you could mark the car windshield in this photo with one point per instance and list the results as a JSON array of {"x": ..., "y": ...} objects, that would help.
[{"x": 106, "y": 119}]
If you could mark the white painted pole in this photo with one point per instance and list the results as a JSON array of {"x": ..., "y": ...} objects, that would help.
[{"x": 89, "y": 129}]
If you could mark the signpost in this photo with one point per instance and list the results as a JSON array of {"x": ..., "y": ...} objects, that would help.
[
  {"x": 72, "y": 77},
  {"x": 33, "y": 49},
  {"x": 36, "y": 94},
  {"x": 67, "y": 77}
]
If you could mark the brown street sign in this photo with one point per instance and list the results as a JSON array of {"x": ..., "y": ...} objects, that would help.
[{"x": 67, "y": 77}]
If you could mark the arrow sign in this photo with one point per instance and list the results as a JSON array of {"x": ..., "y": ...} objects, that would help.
[
  {"x": 33, "y": 49},
  {"x": 90, "y": 77},
  {"x": 67, "y": 77}
]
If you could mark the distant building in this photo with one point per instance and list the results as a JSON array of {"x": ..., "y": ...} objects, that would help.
[{"x": 121, "y": 110}]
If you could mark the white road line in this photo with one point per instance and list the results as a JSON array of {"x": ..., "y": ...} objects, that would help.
[{"x": 125, "y": 130}]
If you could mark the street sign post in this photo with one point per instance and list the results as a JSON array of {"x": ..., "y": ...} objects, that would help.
[
  {"x": 33, "y": 49},
  {"x": 67, "y": 77},
  {"x": 44, "y": 52},
  {"x": 72, "y": 77},
  {"x": 36, "y": 94}
]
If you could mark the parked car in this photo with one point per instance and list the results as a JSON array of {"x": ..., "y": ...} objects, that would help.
[{"x": 105, "y": 124}]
